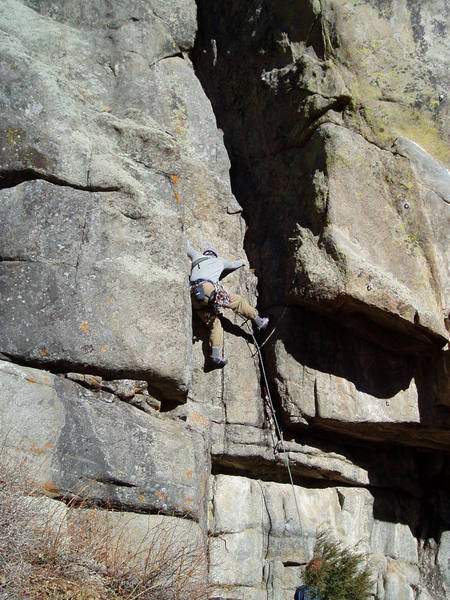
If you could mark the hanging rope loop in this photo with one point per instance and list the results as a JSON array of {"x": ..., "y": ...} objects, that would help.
[{"x": 269, "y": 403}]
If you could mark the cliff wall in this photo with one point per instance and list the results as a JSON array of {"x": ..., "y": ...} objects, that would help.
[{"x": 309, "y": 138}]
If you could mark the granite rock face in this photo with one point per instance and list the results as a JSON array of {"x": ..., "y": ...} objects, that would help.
[
  {"x": 329, "y": 180},
  {"x": 346, "y": 209},
  {"x": 76, "y": 266},
  {"x": 345, "y": 190},
  {"x": 99, "y": 139},
  {"x": 267, "y": 530},
  {"x": 90, "y": 443}
]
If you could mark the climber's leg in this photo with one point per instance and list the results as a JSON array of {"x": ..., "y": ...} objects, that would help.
[
  {"x": 212, "y": 322},
  {"x": 214, "y": 325},
  {"x": 243, "y": 308}
]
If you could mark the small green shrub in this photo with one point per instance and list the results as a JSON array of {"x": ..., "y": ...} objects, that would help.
[{"x": 337, "y": 573}]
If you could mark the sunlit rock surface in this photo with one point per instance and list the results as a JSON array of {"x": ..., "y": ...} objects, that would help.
[{"x": 309, "y": 138}]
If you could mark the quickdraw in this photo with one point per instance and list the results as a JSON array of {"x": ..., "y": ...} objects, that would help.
[{"x": 219, "y": 298}]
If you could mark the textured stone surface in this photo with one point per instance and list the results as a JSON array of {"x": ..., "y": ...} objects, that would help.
[
  {"x": 266, "y": 526},
  {"x": 110, "y": 452},
  {"x": 389, "y": 64},
  {"x": 345, "y": 214},
  {"x": 396, "y": 588},
  {"x": 105, "y": 114},
  {"x": 346, "y": 194},
  {"x": 325, "y": 374},
  {"x": 376, "y": 250},
  {"x": 90, "y": 282},
  {"x": 335, "y": 118},
  {"x": 444, "y": 559}
]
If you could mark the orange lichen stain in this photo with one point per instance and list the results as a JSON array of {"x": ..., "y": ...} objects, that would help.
[
  {"x": 51, "y": 488},
  {"x": 142, "y": 497},
  {"x": 186, "y": 502},
  {"x": 45, "y": 379},
  {"x": 36, "y": 450},
  {"x": 49, "y": 445},
  {"x": 174, "y": 179},
  {"x": 43, "y": 352},
  {"x": 84, "y": 326},
  {"x": 199, "y": 419},
  {"x": 102, "y": 349},
  {"x": 188, "y": 473},
  {"x": 177, "y": 197},
  {"x": 161, "y": 496},
  {"x": 30, "y": 380}
]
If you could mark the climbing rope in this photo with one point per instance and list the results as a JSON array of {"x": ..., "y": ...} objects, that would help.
[{"x": 268, "y": 400}]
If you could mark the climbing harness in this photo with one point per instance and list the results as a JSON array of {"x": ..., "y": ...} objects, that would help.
[
  {"x": 218, "y": 299},
  {"x": 271, "y": 410},
  {"x": 198, "y": 291}
]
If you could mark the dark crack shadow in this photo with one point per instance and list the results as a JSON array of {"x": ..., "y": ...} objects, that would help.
[{"x": 13, "y": 178}]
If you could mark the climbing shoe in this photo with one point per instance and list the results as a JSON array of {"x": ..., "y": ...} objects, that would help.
[
  {"x": 216, "y": 359},
  {"x": 260, "y": 323}
]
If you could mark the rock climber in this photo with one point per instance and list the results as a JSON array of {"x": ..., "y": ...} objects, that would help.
[{"x": 208, "y": 296}]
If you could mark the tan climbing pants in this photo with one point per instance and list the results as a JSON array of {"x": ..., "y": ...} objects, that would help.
[{"x": 212, "y": 321}]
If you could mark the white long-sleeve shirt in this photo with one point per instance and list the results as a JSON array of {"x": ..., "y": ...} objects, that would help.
[{"x": 212, "y": 268}]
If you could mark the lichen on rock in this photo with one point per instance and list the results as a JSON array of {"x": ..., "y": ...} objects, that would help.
[{"x": 309, "y": 138}]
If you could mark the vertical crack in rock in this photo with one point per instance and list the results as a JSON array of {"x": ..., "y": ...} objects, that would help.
[
  {"x": 316, "y": 398},
  {"x": 83, "y": 239},
  {"x": 269, "y": 530},
  {"x": 266, "y": 567}
]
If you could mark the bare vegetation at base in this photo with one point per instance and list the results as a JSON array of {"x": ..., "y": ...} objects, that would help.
[{"x": 55, "y": 551}]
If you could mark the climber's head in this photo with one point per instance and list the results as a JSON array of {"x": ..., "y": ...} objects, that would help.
[{"x": 210, "y": 252}]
